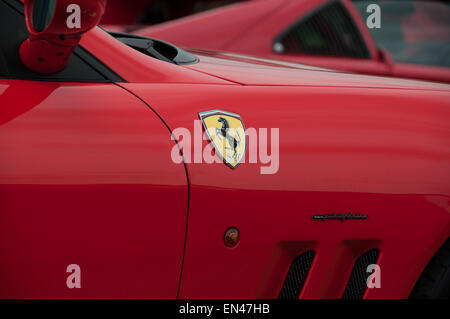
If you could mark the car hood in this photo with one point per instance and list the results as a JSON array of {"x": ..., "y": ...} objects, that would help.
[{"x": 246, "y": 70}]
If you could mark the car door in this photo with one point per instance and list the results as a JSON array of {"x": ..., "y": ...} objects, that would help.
[{"x": 91, "y": 204}]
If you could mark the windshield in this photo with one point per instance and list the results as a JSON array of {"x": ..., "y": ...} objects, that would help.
[{"x": 412, "y": 31}]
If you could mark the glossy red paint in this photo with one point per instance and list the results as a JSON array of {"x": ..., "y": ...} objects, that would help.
[
  {"x": 251, "y": 27},
  {"x": 87, "y": 178},
  {"x": 228, "y": 66},
  {"x": 370, "y": 150},
  {"x": 133, "y": 66}
]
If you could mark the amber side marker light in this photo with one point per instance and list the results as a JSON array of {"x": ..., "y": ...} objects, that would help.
[{"x": 231, "y": 237}]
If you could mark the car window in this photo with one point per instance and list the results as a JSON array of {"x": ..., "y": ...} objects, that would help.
[
  {"x": 415, "y": 32},
  {"x": 329, "y": 30}
]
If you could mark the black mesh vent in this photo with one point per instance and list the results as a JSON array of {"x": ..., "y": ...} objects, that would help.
[
  {"x": 328, "y": 31},
  {"x": 296, "y": 276},
  {"x": 357, "y": 284}
]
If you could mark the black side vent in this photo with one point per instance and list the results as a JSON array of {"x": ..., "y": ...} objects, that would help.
[
  {"x": 357, "y": 284},
  {"x": 296, "y": 276},
  {"x": 155, "y": 48}
]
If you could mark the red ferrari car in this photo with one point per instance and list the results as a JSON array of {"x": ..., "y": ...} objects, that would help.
[
  {"x": 340, "y": 187},
  {"x": 413, "y": 40}
]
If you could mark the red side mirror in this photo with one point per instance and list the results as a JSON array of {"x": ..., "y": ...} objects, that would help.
[{"x": 55, "y": 28}]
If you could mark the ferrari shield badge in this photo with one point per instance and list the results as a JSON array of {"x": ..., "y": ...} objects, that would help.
[{"x": 226, "y": 132}]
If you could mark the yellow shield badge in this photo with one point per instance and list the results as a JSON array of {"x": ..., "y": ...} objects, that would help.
[{"x": 226, "y": 132}]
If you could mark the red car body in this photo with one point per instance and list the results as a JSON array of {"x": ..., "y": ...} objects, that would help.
[
  {"x": 86, "y": 177},
  {"x": 255, "y": 27}
]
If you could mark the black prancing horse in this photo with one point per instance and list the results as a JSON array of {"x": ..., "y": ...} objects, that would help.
[{"x": 224, "y": 131}]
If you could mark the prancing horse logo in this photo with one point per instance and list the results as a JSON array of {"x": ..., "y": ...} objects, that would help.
[
  {"x": 224, "y": 132},
  {"x": 227, "y": 134}
]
